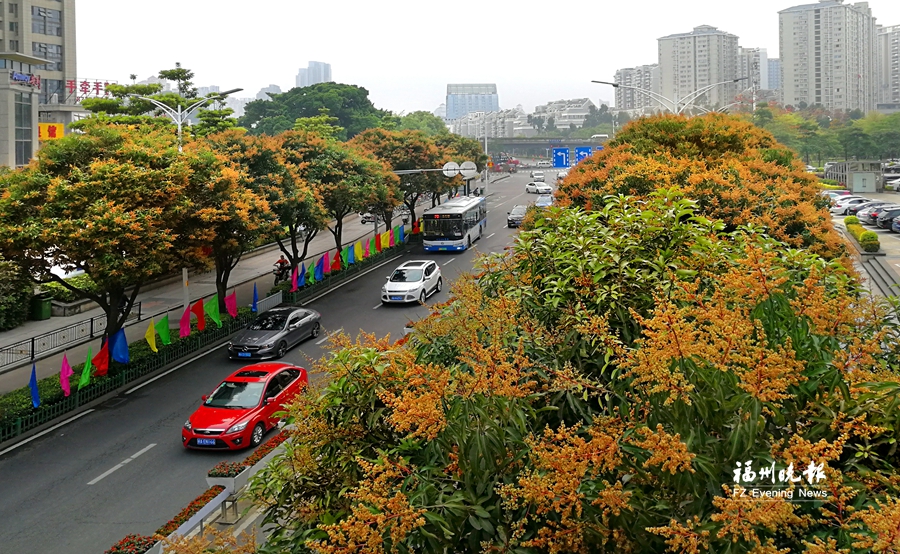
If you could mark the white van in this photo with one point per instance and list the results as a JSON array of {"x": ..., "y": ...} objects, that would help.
[
  {"x": 599, "y": 137},
  {"x": 544, "y": 163}
]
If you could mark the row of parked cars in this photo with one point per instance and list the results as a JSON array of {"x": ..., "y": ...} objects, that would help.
[{"x": 881, "y": 213}]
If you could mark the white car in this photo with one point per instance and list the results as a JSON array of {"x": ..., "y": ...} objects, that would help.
[
  {"x": 563, "y": 173},
  {"x": 842, "y": 204},
  {"x": 538, "y": 176},
  {"x": 538, "y": 188},
  {"x": 544, "y": 163},
  {"x": 412, "y": 281},
  {"x": 544, "y": 201}
]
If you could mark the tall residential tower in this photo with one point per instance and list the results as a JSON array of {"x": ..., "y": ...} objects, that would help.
[
  {"x": 465, "y": 99},
  {"x": 690, "y": 61}
]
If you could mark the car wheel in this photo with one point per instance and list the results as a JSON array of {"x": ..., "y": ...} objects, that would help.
[
  {"x": 257, "y": 436},
  {"x": 282, "y": 350},
  {"x": 439, "y": 286},
  {"x": 422, "y": 297},
  {"x": 315, "y": 330}
]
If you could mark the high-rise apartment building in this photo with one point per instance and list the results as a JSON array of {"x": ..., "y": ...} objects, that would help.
[
  {"x": 774, "y": 74},
  {"x": 889, "y": 70},
  {"x": 828, "y": 55},
  {"x": 753, "y": 66},
  {"x": 313, "y": 74},
  {"x": 465, "y": 99},
  {"x": 691, "y": 61},
  {"x": 645, "y": 77},
  {"x": 264, "y": 92}
]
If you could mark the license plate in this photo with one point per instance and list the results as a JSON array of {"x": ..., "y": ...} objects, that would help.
[
  {"x": 243, "y": 354},
  {"x": 396, "y": 298},
  {"x": 206, "y": 442},
  {"x": 442, "y": 248}
]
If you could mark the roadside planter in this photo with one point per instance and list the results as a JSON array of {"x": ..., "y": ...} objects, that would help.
[{"x": 231, "y": 475}]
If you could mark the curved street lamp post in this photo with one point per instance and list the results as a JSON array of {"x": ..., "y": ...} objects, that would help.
[
  {"x": 178, "y": 115},
  {"x": 678, "y": 105}
]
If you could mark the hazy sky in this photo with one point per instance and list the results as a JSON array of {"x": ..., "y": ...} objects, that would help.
[{"x": 406, "y": 52}]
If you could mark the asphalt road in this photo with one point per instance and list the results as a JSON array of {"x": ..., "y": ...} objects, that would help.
[{"x": 121, "y": 469}]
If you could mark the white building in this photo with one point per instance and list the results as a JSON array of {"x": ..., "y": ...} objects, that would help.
[
  {"x": 264, "y": 92},
  {"x": 889, "y": 70},
  {"x": 502, "y": 124},
  {"x": 828, "y": 55},
  {"x": 566, "y": 113},
  {"x": 644, "y": 77},
  {"x": 753, "y": 64},
  {"x": 313, "y": 74},
  {"x": 774, "y": 74},
  {"x": 237, "y": 104},
  {"x": 691, "y": 61},
  {"x": 440, "y": 111}
]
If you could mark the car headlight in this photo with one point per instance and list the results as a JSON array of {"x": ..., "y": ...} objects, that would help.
[
  {"x": 270, "y": 345},
  {"x": 237, "y": 428},
  {"x": 187, "y": 425},
  {"x": 384, "y": 290}
]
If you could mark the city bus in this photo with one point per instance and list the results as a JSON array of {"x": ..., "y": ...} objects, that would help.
[{"x": 455, "y": 224}]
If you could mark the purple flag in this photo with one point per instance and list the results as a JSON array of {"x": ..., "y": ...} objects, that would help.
[
  {"x": 64, "y": 373},
  {"x": 185, "y": 323}
]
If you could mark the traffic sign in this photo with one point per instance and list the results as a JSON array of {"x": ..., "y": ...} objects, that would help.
[
  {"x": 581, "y": 153},
  {"x": 451, "y": 169},
  {"x": 598, "y": 148},
  {"x": 560, "y": 157},
  {"x": 468, "y": 170}
]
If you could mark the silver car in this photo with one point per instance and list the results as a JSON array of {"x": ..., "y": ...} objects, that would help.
[
  {"x": 272, "y": 333},
  {"x": 412, "y": 281}
]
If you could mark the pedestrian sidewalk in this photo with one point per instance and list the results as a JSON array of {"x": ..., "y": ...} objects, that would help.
[{"x": 256, "y": 269}]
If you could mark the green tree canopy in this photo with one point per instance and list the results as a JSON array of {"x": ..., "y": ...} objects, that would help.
[{"x": 426, "y": 122}]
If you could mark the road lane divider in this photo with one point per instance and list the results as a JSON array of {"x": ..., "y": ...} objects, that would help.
[
  {"x": 119, "y": 466},
  {"x": 46, "y": 431},
  {"x": 329, "y": 335}
]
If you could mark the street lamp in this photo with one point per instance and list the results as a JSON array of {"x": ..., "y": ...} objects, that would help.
[
  {"x": 178, "y": 115},
  {"x": 667, "y": 102}
]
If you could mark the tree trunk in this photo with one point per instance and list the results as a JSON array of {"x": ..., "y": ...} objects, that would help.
[
  {"x": 224, "y": 265},
  {"x": 338, "y": 229}
]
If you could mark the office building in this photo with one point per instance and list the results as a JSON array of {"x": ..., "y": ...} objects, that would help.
[
  {"x": 313, "y": 74},
  {"x": 206, "y": 91},
  {"x": 645, "y": 77},
  {"x": 774, "y": 74},
  {"x": 691, "y": 61},
  {"x": 465, "y": 99},
  {"x": 889, "y": 70},
  {"x": 264, "y": 92},
  {"x": 829, "y": 55},
  {"x": 19, "y": 98}
]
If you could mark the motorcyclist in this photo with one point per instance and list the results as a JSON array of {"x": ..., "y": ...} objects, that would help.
[{"x": 281, "y": 269}]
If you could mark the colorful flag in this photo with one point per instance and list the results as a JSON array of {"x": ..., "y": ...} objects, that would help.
[
  {"x": 231, "y": 304},
  {"x": 415, "y": 229},
  {"x": 185, "y": 323},
  {"x": 392, "y": 240},
  {"x": 162, "y": 329},
  {"x": 336, "y": 264},
  {"x": 197, "y": 310},
  {"x": 101, "y": 360},
  {"x": 32, "y": 384},
  {"x": 119, "y": 347},
  {"x": 379, "y": 243},
  {"x": 294, "y": 285},
  {"x": 327, "y": 265},
  {"x": 402, "y": 234},
  {"x": 211, "y": 308},
  {"x": 150, "y": 335},
  {"x": 301, "y": 282},
  {"x": 64, "y": 373},
  {"x": 311, "y": 274},
  {"x": 86, "y": 372},
  {"x": 370, "y": 245},
  {"x": 254, "y": 307},
  {"x": 357, "y": 252},
  {"x": 345, "y": 256},
  {"x": 319, "y": 273}
]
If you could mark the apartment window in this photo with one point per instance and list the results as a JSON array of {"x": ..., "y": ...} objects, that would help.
[
  {"x": 24, "y": 128},
  {"x": 13, "y": 46},
  {"x": 51, "y": 52},
  {"x": 13, "y": 8},
  {"x": 45, "y": 21},
  {"x": 51, "y": 87},
  {"x": 14, "y": 26}
]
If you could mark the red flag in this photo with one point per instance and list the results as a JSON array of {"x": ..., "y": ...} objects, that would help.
[
  {"x": 231, "y": 304},
  {"x": 101, "y": 360},
  {"x": 378, "y": 243},
  {"x": 197, "y": 310},
  {"x": 336, "y": 264},
  {"x": 415, "y": 228}
]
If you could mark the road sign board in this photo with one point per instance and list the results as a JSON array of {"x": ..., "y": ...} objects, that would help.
[
  {"x": 560, "y": 157},
  {"x": 598, "y": 148},
  {"x": 451, "y": 169},
  {"x": 581, "y": 153},
  {"x": 468, "y": 170}
]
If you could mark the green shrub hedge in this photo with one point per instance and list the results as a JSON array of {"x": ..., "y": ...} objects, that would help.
[
  {"x": 15, "y": 296},
  {"x": 851, "y": 220},
  {"x": 62, "y": 294},
  {"x": 868, "y": 240},
  {"x": 830, "y": 184}
]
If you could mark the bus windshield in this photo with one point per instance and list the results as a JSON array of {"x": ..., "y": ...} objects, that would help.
[{"x": 442, "y": 229}]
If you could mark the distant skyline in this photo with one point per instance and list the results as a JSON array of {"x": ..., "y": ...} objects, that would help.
[{"x": 404, "y": 52}]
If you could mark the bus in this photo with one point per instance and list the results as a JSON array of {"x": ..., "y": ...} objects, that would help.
[{"x": 455, "y": 224}]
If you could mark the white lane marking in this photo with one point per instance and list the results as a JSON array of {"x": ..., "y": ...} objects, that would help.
[
  {"x": 348, "y": 281},
  {"x": 376, "y": 307},
  {"x": 489, "y": 236},
  {"x": 44, "y": 432},
  {"x": 450, "y": 261},
  {"x": 248, "y": 522},
  {"x": 329, "y": 335},
  {"x": 179, "y": 366},
  {"x": 117, "y": 467}
]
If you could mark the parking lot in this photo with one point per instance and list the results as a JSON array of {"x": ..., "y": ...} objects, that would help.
[{"x": 890, "y": 242}]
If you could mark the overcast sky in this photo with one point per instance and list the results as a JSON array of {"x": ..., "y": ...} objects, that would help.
[{"x": 406, "y": 52}]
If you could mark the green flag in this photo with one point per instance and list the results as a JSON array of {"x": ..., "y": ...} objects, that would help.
[
  {"x": 344, "y": 253},
  {"x": 311, "y": 274},
  {"x": 211, "y": 307},
  {"x": 162, "y": 329},
  {"x": 372, "y": 248},
  {"x": 86, "y": 372}
]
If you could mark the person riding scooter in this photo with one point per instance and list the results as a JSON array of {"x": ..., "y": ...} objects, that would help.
[{"x": 282, "y": 269}]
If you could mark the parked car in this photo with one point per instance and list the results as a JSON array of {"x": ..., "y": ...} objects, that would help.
[
  {"x": 412, "y": 281},
  {"x": 538, "y": 176},
  {"x": 243, "y": 407},
  {"x": 856, "y": 209},
  {"x": 544, "y": 201},
  {"x": 515, "y": 216},
  {"x": 538, "y": 188},
  {"x": 886, "y": 218},
  {"x": 274, "y": 332},
  {"x": 895, "y": 225},
  {"x": 835, "y": 193},
  {"x": 872, "y": 214},
  {"x": 842, "y": 205}
]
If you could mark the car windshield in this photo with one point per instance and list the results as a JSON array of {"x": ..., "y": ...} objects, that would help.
[
  {"x": 517, "y": 211},
  {"x": 235, "y": 394},
  {"x": 446, "y": 229},
  {"x": 406, "y": 276},
  {"x": 268, "y": 322}
]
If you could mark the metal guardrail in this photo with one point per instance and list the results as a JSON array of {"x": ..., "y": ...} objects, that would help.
[
  {"x": 30, "y": 349},
  {"x": 269, "y": 302}
]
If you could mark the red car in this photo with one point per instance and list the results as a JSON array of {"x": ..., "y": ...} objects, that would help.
[{"x": 242, "y": 408}]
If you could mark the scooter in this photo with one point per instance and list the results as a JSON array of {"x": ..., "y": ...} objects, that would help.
[{"x": 281, "y": 273}]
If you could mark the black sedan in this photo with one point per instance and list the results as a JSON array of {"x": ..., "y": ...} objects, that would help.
[
  {"x": 272, "y": 333},
  {"x": 853, "y": 210},
  {"x": 515, "y": 216},
  {"x": 886, "y": 218}
]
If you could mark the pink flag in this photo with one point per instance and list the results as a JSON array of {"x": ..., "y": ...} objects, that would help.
[
  {"x": 294, "y": 287},
  {"x": 327, "y": 265},
  {"x": 231, "y": 304},
  {"x": 366, "y": 251},
  {"x": 185, "y": 323},
  {"x": 392, "y": 238},
  {"x": 64, "y": 373}
]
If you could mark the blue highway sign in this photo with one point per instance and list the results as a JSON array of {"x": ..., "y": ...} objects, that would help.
[
  {"x": 560, "y": 157},
  {"x": 581, "y": 153}
]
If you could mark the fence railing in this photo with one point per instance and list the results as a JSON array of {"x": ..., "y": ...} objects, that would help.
[{"x": 28, "y": 350}]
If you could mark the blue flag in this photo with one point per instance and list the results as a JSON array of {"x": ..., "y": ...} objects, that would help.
[
  {"x": 253, "y": 308},
  {"x": 351, "y": 257},
  {"x": 119, "y": 347},
  {"x": 35, "y": 396},
  {"x": 320, "y": 269},
  {"x": 301, "y": 280},
  {"x": 402, "y": 234}
]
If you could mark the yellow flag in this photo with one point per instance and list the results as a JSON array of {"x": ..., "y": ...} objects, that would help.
[
  {"x": 358, "y": 252},
  {"x": 150, "y": 335},
  {"x": 385, "y": 240}
]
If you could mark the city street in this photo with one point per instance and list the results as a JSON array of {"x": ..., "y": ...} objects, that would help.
[{"x": 121, "y": 468}]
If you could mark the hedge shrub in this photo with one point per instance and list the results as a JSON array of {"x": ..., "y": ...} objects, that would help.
[
  {"x": 15, "y": 296},
  {"x": 868, "y": 240},
  {"x": 62, "y": 294},
  {"x": 830, "y": 184},
  {"x": 851, "y": 220}
]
